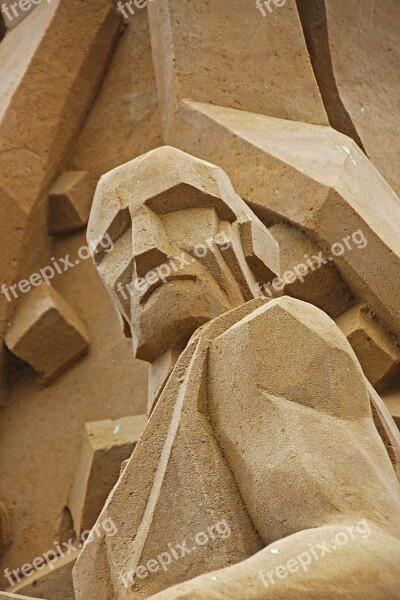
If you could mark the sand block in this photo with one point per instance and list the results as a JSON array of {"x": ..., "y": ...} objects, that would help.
[
  {"x": 105, "y": 445},
  {"x": 70, "y": 199},
  {"x": 47, "y": 333}
]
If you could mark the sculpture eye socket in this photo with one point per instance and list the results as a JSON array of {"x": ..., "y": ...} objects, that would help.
[
  {"x": 117, "y": 271},
  {"x": 116, "y": 261},
  {"x": 190, "y": 228},
  {"x": 119, "y": 225},
  {"x": 150, "y": 244}
]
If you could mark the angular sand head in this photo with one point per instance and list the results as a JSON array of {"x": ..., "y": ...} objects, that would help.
[{"x": 176, "y": 226}]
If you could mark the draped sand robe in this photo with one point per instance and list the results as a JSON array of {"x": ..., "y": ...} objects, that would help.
[{"x": 176, "y": 484}]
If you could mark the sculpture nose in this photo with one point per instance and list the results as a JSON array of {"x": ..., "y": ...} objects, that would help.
[{"x": 150, "y": 246}]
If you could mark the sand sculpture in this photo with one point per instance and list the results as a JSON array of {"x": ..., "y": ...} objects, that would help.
[
  {"x": 277, "y": 445},
  {"x": 297, "y": 101}
]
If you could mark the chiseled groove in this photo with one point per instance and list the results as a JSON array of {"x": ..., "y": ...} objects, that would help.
[{"x": 313, "y": 17}]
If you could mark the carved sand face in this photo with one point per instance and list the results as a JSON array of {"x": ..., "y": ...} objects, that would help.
[
  {"x": 168, "y": 275},
  {"x": 179, "y": 231}
]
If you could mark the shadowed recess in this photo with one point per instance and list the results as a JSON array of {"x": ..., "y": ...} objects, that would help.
[{"x": 313, "y": 18}]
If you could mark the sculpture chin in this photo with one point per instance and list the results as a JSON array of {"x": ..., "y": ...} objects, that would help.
[{"x": 170, "y": 316}]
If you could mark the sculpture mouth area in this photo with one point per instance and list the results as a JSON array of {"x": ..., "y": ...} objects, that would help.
[{"x": 158, "y": 285}]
